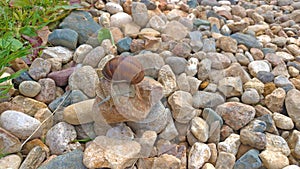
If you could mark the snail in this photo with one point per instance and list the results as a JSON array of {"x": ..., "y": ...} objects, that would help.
[{"x": 123, "y": 69}]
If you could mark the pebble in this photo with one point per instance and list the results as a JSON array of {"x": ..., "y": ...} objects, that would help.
[
  {"x": 175, "y": 30},
  {"x": 198, "y": 155},
  {"x": 230, "y": 145},
  {"x": 12, "y": 161},
  {"x": 277, "y": 144},
  {"x": 282, "y": 121},
  {"x": 254, "y": 139},
  {"x": 182, "y": 83},
  {"x": 151, "y": 63},
  {"x": 168, "y": 79},
  {"x": 177, "y": 64},
  {"x": 250, "y": 96},
  {"x": 81, "y": 52},
  {"x": 56, "y": 64},
  {"x": 113, "y": 8},
  {"x": 231, "y": 86},
  {"x": 200, "y": 129},
  {"x": 28, "y": 105},
  {"x": 39, "y": 68},
  {"x": 182, "y": 50},
  {"x": 61, "y": 77},
  {"x": 35, "y": 157},
  {"x": 63, "y": 53},
  {"x": 48, "y": 91},
  {"x": 170, "y": 132},
  {"x": 119, "y": 19},
  {"x": 24, "y": 76},
  {"x": 265, "y": 76},
  {"x": 273, "y": 159},
  {"x": 63, "y": 37},
  {"x": 204, "y": 68},
  {"x": 225, "y": 160},
  {"x": 29, "y": 88},
  {"x": 165, "y": 161},
  {"x": 218, "y": 60},
  {"x": 257, "y": 66},
  {"x": 20, "y": 124},
  {"x": 139, "y": 13},
  {"x": 247, "y": 40},
  {"x": 275, "y": 100},
  {"x": 291, "y": 102},
  {"x": 79, "y": 113},
  {"x": 123, "y": 44},
  {"x": 249, "y": 160},
  {"x": 94, "y": 56},
  {"x": 9, "y": 143},
  {"x": 227, "y": 44},
  {"x": 202, "y": 99}
]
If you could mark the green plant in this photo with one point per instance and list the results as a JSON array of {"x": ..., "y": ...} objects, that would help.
[{"x": 105, "y": 33}]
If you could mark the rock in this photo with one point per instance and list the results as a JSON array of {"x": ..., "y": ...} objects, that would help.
[
  {"x": 209, "y": 45},
  {"x": 165, "y": 161},
  {"x": 8, "y": 143},
  {"x": 28, "y": 105},
  {"x": 61, "y": 77},
  {"x": 119, "y": 19},
  {"x": 227, "y": 44},
  {"x": 35, "y": 143},
  {"x": 79, "y": 113},
  {"x": 237, "y": 26},
  {"x": 175, "y": 30},
  {"x": 204, "y": 69},
  {"x": 200, "y": 129},
  {"x": 168, "y": 80},
  {"x": 57, "y": 52},
  {"x": 295, "y": 16},
  {"x": 81, "y": 52},
  {"x": 24, "y": 76},
  {"x": 72, "y": 160},
  {"x": 282, "y": 81},
  {"x": 275, "y": 100},
  {"x": 113, "y": 8},
  {"x": 254, "y": 139},
  {"x": 273, "y": 159},
  {"x": 45, "y": 117},
  {"x": 124, "y": 44},
  {"x": 121, "y": 132},
  {"x": 112, "y": 153},
  {"x": 214, "y": 122},
  {"x": 182, "y": 83},
  {"x": 276, "y": 143},
  {"x": 230, "y": 145},
  {"x": 249, "y": 160},
  {"x": 238, "y": 11},
  {"x": 225, "y": 160},
  {"x": 170, "y": 132},
  {"x": 56, "y": 64},
  {"x": 194, "y": 84},
  {"x": 285, "y": 56},
  {"x": 294, "y": 143},
  {"x": 257, "y": 66},
  {"x": 255, "y": 84},
  {"x": 292, "y": 101},
  {"x": 140, "y": 13},
  {"x": 282, "y": 121},
  {"x": 131, "y": 29},
  {"x": 146, "y": 140},
  {"x": 94, "y": 56},
  {"x": 63, "y": 37},
  {"x": 231, "y": 86},
  {"x": 198, "y": 155},
  {"x": 177, "y": 64},
  {"x": 151, "y": 63},
  {"x": 235, "y": 114},
  {"x": 19, "y": 124},
  {"x": 85, "y": 79},
  {"x": 157, "y": 23},
  {"x": 48, "y": 91},
  {"x": 182, "y": 50},
  {"x": 202, "y": 99},
  {"x": 291, "y": 167},
  {"x": 35, "y": 157},
  {"x": 39, "y": 68},
  {"x": 218, "y": 60},
  {"x": 294, "y": 49},
  {"x": 265, "y": 76},
  {"x": 191, "y": 68},
  {"x": 18, "y": 64},
  {"x": 59, "y": 138},
  {"x": 12, "y": 161},
  {"x": 82, "y": 19},
  {"x": 29, "y": 88},
  {"x": 281, "y": 69},
  {"x": 235, "y": 70},
  {"x": 247, "y": 40},
  {"x": 250, "y": 96},
  {"x": 181, "y": 105}
]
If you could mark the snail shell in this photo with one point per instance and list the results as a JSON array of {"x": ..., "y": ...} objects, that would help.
[{"x": 126, "y": 69}]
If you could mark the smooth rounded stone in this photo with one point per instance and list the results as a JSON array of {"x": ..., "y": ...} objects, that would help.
[
  {"x": 250, "y": 96},
  {"x": 181, "y": 105},
  {"x": 20, "y": 124},
  {"x": 81, "y": 52},
  {"x": 257, "y": 54},
  {"x": 265, "y": 76},
  {"x": 294, "y": 49},
  {"x": 56, "y": 64},
  {"x": 255, "y": 84},
  {"x": 24, "y": 76},
  {"x": 168, "y": 79},
  {"x": 151, "y": 63},
  {"x": 238, "y": 11},
  {"x": 279, "y": 41},
  {"x": 111, "y": 153},
  {"x": 236, "y": 114},
  {"x": 157, "y": 23},
  {"x": 218, "y": 60},
  {"x": 61, "y": 77},
  {"x": 8, "y": 142},
  {"x": 291, "y": 167},
  {"x": 281, "y": 81},
  {"x": 28, "y": 105},
  {"x": 182, "y": 50},
  {"x": 210, "y": 3},
  {"x": 76, "y": 22},
  {"x": 293, "y": 71},
  {"x": 254, "y": 139},
  {"x": 257, "y": 66},
  {"x": 273, "y": 159},
  {"x": 29, "y": 88},
  {"x": 12, "y": 161},
  {"x": 175, "y": 30},
  {"x": 275, "y": 100},
  {"x": 273, "y": 58},
  {"x": 139, "y": 13},
  {"x": 63, "y": 37},
  {"x": 113, "y": 8},
  {"x": 57, "y": 52},
  {"x": 281, "y": 69},
  {"x": 204, "y": 68},
  {"x": 71, "y": 159},
  {"x": 48, "y": 91},
  {"x": 231, "y": 86},
  {"x": 191, "y": 68},
  {"x": 247, "y": 40},
  {"x": 284, "y": 2},
  {"x": 292, "y": 102},
  {"x": 123, "y": 44},
  {"x": 282, "y": 121},
  {"x": 209, "y": 45},
  {"x": 277, "y": 144},
  {"x": 200, "y": 129},
  {"x": 285, "y": 56},
  {"x": 119, "y": 19},
  {"x": 166, "y": 161},
  {"x": 34, "y": 159},
  {"x": 249, "y": 160},
  {"x": 238, "y": 26},
  {"x": 230, "y": 145},
  {"x": 131, "y": 29},
  {"x": 202, "y": 99},
  {"x": 225, "y": 160},
  {"x": 79, "y": 113},
  {"x": 85, "y": 79},
  {"x": 94, "y": 56},
  {"x": 59, "y": 138},
  {"x": 198, "y": 155},
  {"x": 294, "y": 143},
  {"x": 182, "y": 83},
  {"x": 208, "y": 166},
  {"x": 39, "y": 68},
  {"x": 227, "y": 44}
]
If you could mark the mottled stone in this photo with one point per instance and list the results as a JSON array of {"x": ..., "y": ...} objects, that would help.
[
  {"x": 12, "y": 161},
  {"x": 230, "y": 144},
  {"x": 182, "y": 83},
  {"x": 81, "y": 52},
  {"x": 255, "y": 84},
  {"x": 250, "y": 96},
  {"x": 29, "y": 88},
  {"x": 39, "y": 68},
  {"x": 63, "y": 53},
  {"x": 235, "y": 70},
  {"x": 166, "y": 161},
  {"x": 227, "y": 44},
  {"x": 202, "y": 99},
  {"x": 140, "y": 13},
  {"x": 231, "y": 86},
  {"x": 277, "y": 144},
  {"x": 79, "y": 113},
  {"x": 151, "y": 63},
  {"x": 249, "y": 160},
  {"x": 253, "y": 139},
  {"x": 282, "y": 121},
  {"x": 218, "y": 60},
  {"x": 28, "y": 105},
  {"x": 275, "y": 100},
  {"x": 94, "y": 56},
  {"x": 257, "y": 66},
  {"x": 273, "y": 159},
  {"x": 113, "y": 8},
  {"x": 175, "y": 30},
  {"x": 119, "y": 19},
  {"x": 200, "y": 129},
  {"x": 225, "y": 160},
  {"x": 8, "y": 142},
  {"x": 34, "y": 159},
  {"x": 48, "y": 90},
  {"x": 198, "y": 155},
  {"x": 292, "y": 102}
]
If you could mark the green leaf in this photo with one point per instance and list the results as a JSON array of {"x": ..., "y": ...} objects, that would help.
[
  {"x": 67, "y": 7},
  {"x": 12, "y": 43},
  {"x": 29, "y": 31},
  {"x": 103, "y": 34},
  {"x": 20, "y": 3}
]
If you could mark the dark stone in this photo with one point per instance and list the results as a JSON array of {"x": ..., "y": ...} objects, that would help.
[
  {"x": 192, "y": 3},
  {"x": 70, "y": 160},
  {"x": 265, "y": 77},
  {"x": 209, "y": 3},
  {"x": 23, "y": 77},
  {"x": 270, "y": 126},
  {"x": 64, "y": 37},
  {"x": 149, "y": 4},
  {"x": 267, "y": 50},
  {"x": 249, "y": 160},
  {"x": 123, "y": 44},
  {"x": 83, "y": 23},
  {"x": 198, "y": 22},
  {"x": 247, "y": 40},
  {"x": 61, "y": 77},
  {"x": 294, "y": 64}
]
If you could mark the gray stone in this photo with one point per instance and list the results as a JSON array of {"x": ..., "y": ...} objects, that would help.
[
  {"x": 94, "y": 57},
  {"x": 209, "y": 45},
  {"x": 83, "y": 23},
  {"x": 250, "y": 96},
  {"x": 24, "y": 76},
  {"x": 39, "y": 68},
  {"x": 202, "y": 99},
  {"x": 140, "y": 13},
  {"x": 29, "y": 88},
  {"x": 151, "y": 63},
  {"x": 254, "y": 139},
  {"x": 219, "y": 61},
  {"x": 247, "y": 40},
  {"x": 249, "y": 160},
  {"x": 204, "y": 69},
  {"x": 63, "y": 37},
  {"x": 225, "y": 160},
  {"x": 230, "y": 145},
  {"x": 157, "y": 23},
  {"x": 170, "y": 132},
  {"x": 177, "y": 64},
  {"x": 12, "y": 161},
  {"x": 176, "y": 30},
  {"x": 119, "y": 19},
  {"x": 81, "y": 52},
  {"x": 265, "y": 76},
  {"x": 8, "y": 143},
  {"x": 292, "y": 102},
  {"x": 48, "y": 90},
  {"x": 34, "y": 159},
  {"x": 113, "y": 8},
  {"x": 60, "y": 52},
  {"x": 231, "y": 86}
]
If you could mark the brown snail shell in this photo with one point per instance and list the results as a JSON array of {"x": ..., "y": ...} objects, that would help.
[{"x": 126, "y": 69}]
